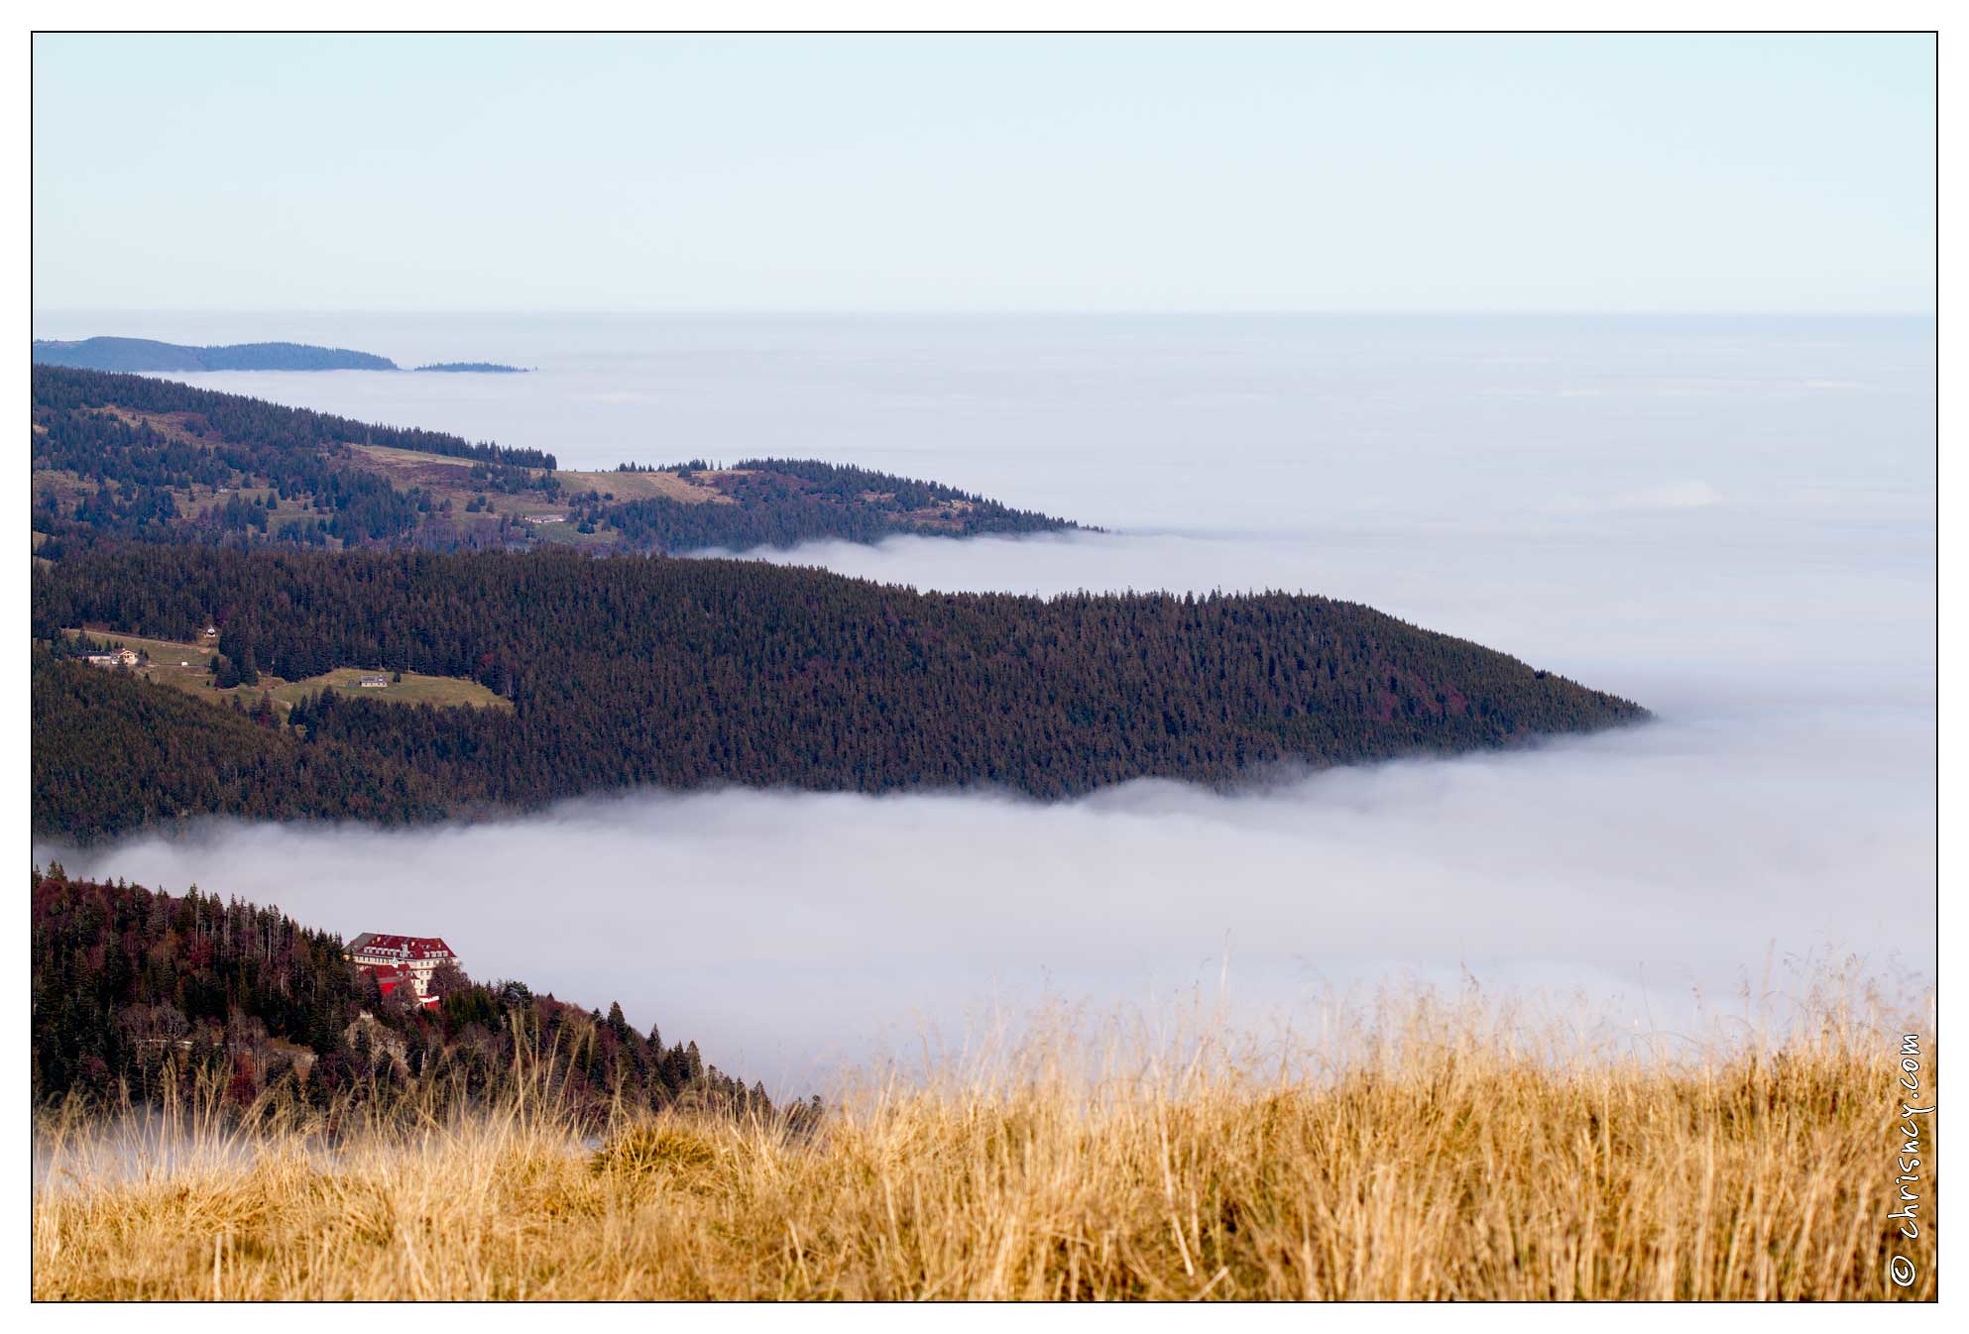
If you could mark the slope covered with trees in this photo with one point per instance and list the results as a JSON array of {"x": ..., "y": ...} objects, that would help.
[
  {"x": 131, "y": 987},
  {"x": 113, "y": 753},
  {"x": 129, "y": 457},
  {"x": 686, "y": 673},
  {"x": 782, "y": 502},
  {"x": 250, "y": 421}
]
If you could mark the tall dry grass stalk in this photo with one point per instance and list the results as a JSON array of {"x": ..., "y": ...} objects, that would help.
[{"x": 1442, "y": 1151}]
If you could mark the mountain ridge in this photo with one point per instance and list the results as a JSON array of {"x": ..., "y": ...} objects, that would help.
[
  {"x": 110, "y": 353},
  {"x": 697, "y": 673},
  {"x": 118, "y": 455}
]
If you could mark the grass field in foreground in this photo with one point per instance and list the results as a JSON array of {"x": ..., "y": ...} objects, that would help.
[{"x": 1448, "y": 1158}]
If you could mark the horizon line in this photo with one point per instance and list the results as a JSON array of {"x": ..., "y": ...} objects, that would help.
[{"x": 1035, "y": 312}]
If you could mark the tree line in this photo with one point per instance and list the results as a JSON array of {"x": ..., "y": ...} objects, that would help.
[{"x": 686, "y": 673}]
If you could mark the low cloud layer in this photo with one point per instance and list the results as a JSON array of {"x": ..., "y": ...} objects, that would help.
[{"x": 1672, "y": 496}]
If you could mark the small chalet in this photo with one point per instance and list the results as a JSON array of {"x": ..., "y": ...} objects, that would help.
[
  {"x": 122, "y": 657},
  {"x": 400, "y": 960},
  {"x": 374, "y": 681}
]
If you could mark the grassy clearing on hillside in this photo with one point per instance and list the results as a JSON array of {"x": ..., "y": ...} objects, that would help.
[
  {"x": 451, "y": 478},
  {"x": 1453, "y": 1153},
  {"x": 414, "y": 688},
  {"x": 188, "y": 667},
  {"x": 700, "y": 488}
]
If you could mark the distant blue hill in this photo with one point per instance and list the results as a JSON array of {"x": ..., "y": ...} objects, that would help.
[{"x": 144, "y": 354}]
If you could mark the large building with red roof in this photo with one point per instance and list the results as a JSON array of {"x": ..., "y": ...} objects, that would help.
[{"x": 396, "y": 960}]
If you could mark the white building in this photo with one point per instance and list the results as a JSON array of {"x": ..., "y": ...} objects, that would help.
[{"x": 417, "y": 956}]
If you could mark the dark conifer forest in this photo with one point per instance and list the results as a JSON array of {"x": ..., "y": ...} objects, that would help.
[
  {"x": 689, "y": 673},
  {"x": 131, "y": 987},
  {"x": 126, "y": 457},
  {"x": 782, "y": 502}
]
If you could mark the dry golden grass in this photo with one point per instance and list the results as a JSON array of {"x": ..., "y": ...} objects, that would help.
[
  {"x": 447, "y": 476},
  {"x": 1448, "y": 1156},
  {"x": 699, "y": 489}
]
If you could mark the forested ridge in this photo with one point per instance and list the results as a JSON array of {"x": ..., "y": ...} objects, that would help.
[
  {"x": 251, "y": 421},
  {"x": 122, "y": 457},
  {"x": 688, "y": 673},
  {"x": 130, "y": 457},
  {"x": 132, "y": 986},
  {"x": 782, "y": 502}
]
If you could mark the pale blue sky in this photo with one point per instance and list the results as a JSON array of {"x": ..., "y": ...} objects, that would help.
[{"x": 1642, "y": 173}]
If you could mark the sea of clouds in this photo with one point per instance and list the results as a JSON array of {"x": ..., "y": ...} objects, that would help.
[{"x": 1729, "y": 521}]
